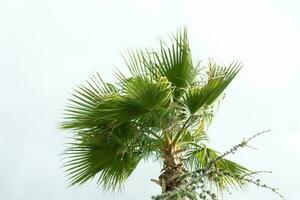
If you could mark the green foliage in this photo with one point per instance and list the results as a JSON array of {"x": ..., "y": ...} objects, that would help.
[
  {"x": 166, "y": 100},
  {"x": 113, "y": 154},
  {"x": 218, "y": 78},
  {"x": 204, "y": 156},
  {"x": 175, "y": 62}
]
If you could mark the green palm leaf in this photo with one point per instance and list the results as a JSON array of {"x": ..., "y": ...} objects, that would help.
[
  {"x": 175, "y": 62},
  {"x": 139, "y": 98},
  {"x": 82, "y": 110},
  {"x": 171, "y": 61},
  {"x": 113, "y": 155},
  {"x": 219, "y": 78},
  {"x": 201, "y": 157}
]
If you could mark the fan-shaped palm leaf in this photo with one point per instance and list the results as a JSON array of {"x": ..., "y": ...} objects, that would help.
[{"x": 218, "y": 79}]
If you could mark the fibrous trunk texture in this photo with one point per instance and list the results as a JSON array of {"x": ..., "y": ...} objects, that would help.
[{"x": 172, "y": 169}]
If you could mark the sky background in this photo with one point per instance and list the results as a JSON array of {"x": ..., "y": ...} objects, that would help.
[{"x": 48, "y": 47}]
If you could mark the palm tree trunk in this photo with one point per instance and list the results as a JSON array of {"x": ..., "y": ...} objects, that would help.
[{"x": 172, "y": 169}]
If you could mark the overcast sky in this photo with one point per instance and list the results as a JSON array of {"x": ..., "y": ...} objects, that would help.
[{"x": 47, "y": 47}]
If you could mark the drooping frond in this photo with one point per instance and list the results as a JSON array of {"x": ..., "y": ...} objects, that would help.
[
  {"x": 201, "y": 157},
  {"x": 112, "y": 156}
]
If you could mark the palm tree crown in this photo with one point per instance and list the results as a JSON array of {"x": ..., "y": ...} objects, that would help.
[{"x": 161, "y": 110}]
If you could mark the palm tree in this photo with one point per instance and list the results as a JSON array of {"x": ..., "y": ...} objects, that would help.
[{"x": 161, "y": 110}]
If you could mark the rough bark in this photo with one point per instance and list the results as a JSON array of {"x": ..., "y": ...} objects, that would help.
[{"x": 172, "y": 169}]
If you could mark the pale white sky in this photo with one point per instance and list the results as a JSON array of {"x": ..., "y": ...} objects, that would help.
[{"x": 49, "y": 47}]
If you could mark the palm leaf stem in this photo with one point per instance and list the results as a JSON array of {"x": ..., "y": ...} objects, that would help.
[{"x": 177, "y": 136}]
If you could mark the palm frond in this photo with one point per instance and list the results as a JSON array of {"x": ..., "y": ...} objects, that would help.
[
  {"x": 140, "y": 98},
  {"x": 149, "y": 93},
  {"x": 200, "y": 157},
  {"x": 171, "y": 61},
  {"x": 82, "y": 110},
  {"x": 112, "y": 156},
  {"x": 175, "y": 62},
  {"x": 219, "y": 78},
  {"x": 136, "y": 62}
]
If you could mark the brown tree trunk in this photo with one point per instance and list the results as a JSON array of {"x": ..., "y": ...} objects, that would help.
[{"x": 172, "y": 169}]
